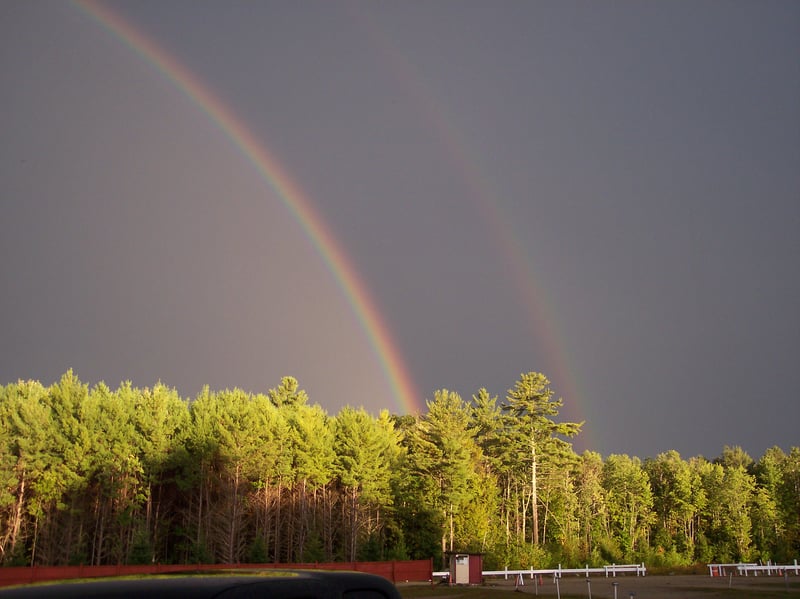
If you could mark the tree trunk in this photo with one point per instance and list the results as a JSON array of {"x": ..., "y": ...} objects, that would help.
[
  {"x": 278, "y": 501},
  {"x": 353, "y": 523},
  {"x": 452, "y": 529},
  {"x": 534, "y": 495},
  {"x": 18, "y": 510}
]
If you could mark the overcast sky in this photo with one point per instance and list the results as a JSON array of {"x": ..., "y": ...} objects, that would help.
[{"x": 606, "y": 192}]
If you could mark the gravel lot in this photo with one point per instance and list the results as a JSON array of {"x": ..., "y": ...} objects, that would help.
[
  {"x": 660, "y": 587},
  {"x": 642, "y": 587}
]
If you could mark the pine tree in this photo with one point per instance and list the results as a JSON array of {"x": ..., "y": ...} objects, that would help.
[{"x": 530, "y": 410}]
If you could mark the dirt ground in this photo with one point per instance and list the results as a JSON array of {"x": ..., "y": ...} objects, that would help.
[
  {"x": 638, "y": 587},
  {"x": 667, "y": 587}
]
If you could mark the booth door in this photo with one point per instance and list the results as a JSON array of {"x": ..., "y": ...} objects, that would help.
[{"x": 475, "y": 569}]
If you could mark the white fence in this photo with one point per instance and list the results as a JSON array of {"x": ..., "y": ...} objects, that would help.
[
  {"x": 743, "y": 569},
  {"x": 610, "y": 570}
]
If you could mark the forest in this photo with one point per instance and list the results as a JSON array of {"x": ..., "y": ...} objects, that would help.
[{"x": 91, "y": 475}]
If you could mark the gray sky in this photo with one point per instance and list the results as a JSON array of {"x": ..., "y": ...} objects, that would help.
[{"x": 606, "y": 192}]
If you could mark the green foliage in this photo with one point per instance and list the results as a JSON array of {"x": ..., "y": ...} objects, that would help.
[
  {"x": 609, "y": 551},
  {"x": 102, "y": 476},
  {"x": 314, "y": 549},
  {"x": 288, "y": 393},
  {"x": 673, "y": 482},
  {"x": 257, "y": 553},
  {"x": 458, "y": 491},
  {"x": 141, "y": 550},
  {"x": 366, "y": 453},
  {"x": 734, "y": 457},
  {"x": 531, "y": 453},
  {"x": 312, "y": 448},
  {"x": 727, "y": 516},
  {"x": 199, "y": 553},
  {"x": 422, "y": 527}
]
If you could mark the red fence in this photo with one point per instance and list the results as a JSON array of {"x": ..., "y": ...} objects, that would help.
[{"x": 395, "y": 571}]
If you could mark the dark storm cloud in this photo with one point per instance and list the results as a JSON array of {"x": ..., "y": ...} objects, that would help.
[{"x": 644, "y": 157}]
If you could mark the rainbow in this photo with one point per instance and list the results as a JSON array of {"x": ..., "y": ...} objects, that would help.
[
  {"x": 291, "y": 195},
  {"x": 542, "y": 315}
]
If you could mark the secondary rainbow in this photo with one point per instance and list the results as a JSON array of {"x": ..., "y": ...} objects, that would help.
[
  {"x": 402, "y": 385},
  {"x": 542, "y": 315}
]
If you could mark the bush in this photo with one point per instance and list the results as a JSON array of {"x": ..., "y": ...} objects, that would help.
[
  {"x": 609, "y": 551},
  {"x": 257, "y": 553},
  {"x": 141, "y": 550}
]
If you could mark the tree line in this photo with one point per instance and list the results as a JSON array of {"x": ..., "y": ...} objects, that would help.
[{"x": 101, "y": 476}]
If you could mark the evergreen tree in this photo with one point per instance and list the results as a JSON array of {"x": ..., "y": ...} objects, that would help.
[
  {"x": 448, "y": 448},
  {"x": 288, "y": 393},
  {"x": 312, "y": 451},
  {"x": 365, "y": 453},
  {"x": 161, "y": 419},
  {"x": 115, "y": 470},
  {"x": 535, "y": 436}
]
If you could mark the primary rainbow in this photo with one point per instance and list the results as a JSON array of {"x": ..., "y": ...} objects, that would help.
[{"x": 403, "y": 388}]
